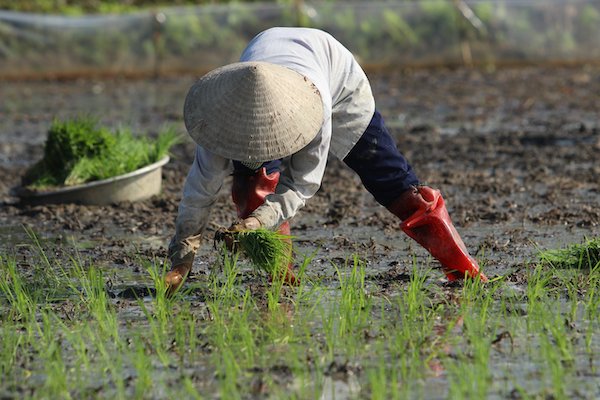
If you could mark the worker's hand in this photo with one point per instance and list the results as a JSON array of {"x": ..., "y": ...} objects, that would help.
[
  {"x": 228, "y": 235},
  {"x": 249, "y": 223}
]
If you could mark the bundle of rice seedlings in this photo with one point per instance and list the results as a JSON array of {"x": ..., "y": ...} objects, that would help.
[
  {"x": 585, "y": 255},
  {"x": 267, "y": 250}
]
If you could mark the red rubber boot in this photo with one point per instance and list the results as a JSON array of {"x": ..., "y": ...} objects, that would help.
[
  {"x": 426, "y": 220},
  {"x": 248, "y": 193}
]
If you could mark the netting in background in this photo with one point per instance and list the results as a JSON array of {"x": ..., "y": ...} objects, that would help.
[{"x": 381, "y": 34}]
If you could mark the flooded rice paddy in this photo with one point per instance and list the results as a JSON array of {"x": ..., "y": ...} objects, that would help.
[{"x": 515, "y": 153}]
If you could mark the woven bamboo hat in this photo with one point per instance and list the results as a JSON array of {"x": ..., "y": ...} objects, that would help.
[{"x": 253, "y": 111}]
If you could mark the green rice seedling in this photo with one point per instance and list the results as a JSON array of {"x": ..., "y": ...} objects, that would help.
[
  {"x": 267, "y": 250},
  {"x": 274, "y": 293},
  {"x": 188, "y": 337},
  {"x": 555, "y": 369},
  {"x": 580, "y": 280},
  {"x": 277, "y": 317},
  {"x": 304, "y": 290},
  {"x": 378, "y": 382},
  {"x": 474, "y": 291},
  {"x": 38, "y": 246},
  {"x": 555, "y": 328},
  {"x": 582, "y": 256},
  {"x": 354, "y": 304},
  {"x": 77, "y": 336},
  {"x": 547, "y": 320},
  {"x": 159, "y": 331},
  {"x": 23, "y": 305},
  {"x": 414, "y": 298},
  {"x": 163, "y": 322},
  {"x": 383, "y": 376},
  {"x": 244, "y": 329},
  {"x": 231, "y": 334},
  {"x": 160, "y": 315},
  {"x": 10, "y": 346},
  {"x": 110, "y": 355},
  {"x": 142, "y": 364},
  {"x": 574, "y": 284},
  {"x": 329, "y": 331},
  {"x": 56, "y": 383},
  {"x": 99, "y": 335},
  {"x": 538, "y": 281},
  {"x": 88, "y": 284},
  {"x": 229, "y": 373},
  {"x": 469, "y": 373},
  {"x": 414, "y": 316},
  {"x": 163, "y": 143},
  {"x": 231, "y": 331},
  {"x": 421, "y": 351},
  {"x": 79, "y": 150},
  {"x": 406, "y": 344},
  {"x": 15, "y": 292},
  {"x": 44, "y": 283},
  {"x": 226, "y": 292},
  {"x": 347, "y": 313},
  {"x": 163, "y": 303},
  {"x": 189, "y": 390},
  {"x": 308, "y": 294},
  {"x": 592, "y": 306}
]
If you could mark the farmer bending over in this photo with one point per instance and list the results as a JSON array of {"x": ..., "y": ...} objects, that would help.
[{"x": 296, "y": 95}]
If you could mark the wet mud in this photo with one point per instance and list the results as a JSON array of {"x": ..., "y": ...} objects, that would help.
[{"x": 514, "y": 152}]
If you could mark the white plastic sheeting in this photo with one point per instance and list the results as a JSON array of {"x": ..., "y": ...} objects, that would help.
[{"x": 382, "y": 34}]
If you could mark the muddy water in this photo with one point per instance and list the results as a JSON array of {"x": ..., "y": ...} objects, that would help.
[{"x": 514, "y": 151}]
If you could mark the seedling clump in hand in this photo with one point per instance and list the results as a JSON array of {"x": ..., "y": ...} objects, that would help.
[{"x": 267, "y": 250}]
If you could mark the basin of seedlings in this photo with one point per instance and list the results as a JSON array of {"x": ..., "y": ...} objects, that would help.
[{"x": 86, "y": 163}]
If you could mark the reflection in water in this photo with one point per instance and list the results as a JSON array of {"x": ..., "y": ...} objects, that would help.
[{"x": 338, "y": 388}]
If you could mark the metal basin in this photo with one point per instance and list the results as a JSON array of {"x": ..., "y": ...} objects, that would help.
[{"x": 133, "y": 186}]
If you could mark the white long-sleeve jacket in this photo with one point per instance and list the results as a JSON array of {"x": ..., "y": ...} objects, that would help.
[{"x": 348, "y": 107}]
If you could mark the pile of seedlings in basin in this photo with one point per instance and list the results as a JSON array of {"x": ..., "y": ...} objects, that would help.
[{"x": 80, "y": 150}]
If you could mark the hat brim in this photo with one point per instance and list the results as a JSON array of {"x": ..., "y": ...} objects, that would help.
[{"x": 253, "y": 111}]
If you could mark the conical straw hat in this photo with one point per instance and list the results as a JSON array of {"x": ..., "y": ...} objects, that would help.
[{"x": 253, "y": 111}]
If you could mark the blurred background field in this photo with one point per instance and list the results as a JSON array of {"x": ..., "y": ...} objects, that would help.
[{"x": 52, "y": 38}]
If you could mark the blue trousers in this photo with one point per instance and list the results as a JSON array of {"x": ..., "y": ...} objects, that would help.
[{"x": 383, "y": 170}]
